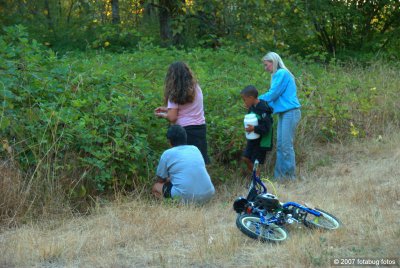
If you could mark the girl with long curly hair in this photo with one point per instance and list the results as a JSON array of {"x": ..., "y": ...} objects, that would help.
[{"x": 183, "y": 101}]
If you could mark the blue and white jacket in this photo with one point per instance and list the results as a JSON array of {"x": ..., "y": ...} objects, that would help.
[{"x": 282, "y": 95}]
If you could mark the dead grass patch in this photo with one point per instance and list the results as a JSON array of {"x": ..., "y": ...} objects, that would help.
[{"x": 359, "y": 186}]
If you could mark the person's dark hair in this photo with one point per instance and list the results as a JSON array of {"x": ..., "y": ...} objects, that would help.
[
  {"x": 177, "y": 135},
  {"x": 180, "y": 84},
  {"x": 250, "y": 91}
]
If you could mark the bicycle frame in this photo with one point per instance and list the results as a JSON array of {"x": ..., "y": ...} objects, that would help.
[
  {"x": 304, "y": 208},
  {"x": 262, "y": 216},
  {"x": 257, "y": 181}
]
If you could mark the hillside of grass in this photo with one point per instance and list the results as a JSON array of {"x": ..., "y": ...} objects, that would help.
[
  {"x": 90, "y": 115},
  {"x": 79, "y": 127},
  {"x": 357, "y": 182}
]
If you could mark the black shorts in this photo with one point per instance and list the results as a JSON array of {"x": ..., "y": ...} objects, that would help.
[
  {"x": 196, "y": 135},
  {"x": 253, "y": 151},
  {"x": 166, "y": 189}
]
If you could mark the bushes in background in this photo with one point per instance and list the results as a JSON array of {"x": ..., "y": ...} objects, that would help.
[{"x": 84, "y": 121}]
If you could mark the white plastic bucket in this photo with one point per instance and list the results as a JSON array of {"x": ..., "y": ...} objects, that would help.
[{"x": 251, "y": 119}]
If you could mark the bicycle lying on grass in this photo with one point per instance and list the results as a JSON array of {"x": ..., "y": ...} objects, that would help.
[{"x": 261, "y": 215}]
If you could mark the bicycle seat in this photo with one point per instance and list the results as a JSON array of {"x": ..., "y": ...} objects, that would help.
[
  {"x": 240, "y": 204},
  {"x": 267, "y": 201}
]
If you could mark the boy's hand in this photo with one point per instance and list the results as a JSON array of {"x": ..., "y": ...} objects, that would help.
[{"x": 249, "y": 128}]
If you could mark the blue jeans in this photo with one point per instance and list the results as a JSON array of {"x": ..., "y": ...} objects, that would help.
[{"x": 285, "y": 166}]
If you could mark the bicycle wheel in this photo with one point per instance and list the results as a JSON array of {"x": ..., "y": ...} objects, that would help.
[
  {"x": 325, "y": 221},
  {"x": 251, "y": 226}
]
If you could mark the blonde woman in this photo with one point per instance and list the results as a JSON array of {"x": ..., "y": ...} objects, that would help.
[
  {"x": 282, "y": 97},
  {"x": 184, "y": 105}
]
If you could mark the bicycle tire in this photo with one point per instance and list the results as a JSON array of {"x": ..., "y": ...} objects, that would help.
[
  {"x": 326, "y": 221},
  {"x": 247, "y": 224}
]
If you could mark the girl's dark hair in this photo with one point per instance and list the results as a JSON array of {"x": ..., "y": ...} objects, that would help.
[{"x": 180, "y": 84}]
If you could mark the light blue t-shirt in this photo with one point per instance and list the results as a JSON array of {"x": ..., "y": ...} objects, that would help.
[
  {"x": 282, "y": 95},
  {"x": 185, "y": 167}
]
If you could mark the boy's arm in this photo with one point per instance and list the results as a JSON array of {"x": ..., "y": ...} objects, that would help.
[
  {"x": 264, "y": 124},
  {"x": 162, "y": 180},
  {"x": 162, "y": 169}
]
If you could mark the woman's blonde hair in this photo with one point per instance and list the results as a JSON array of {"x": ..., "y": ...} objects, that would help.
[
  {"x": 180, "y": 84},
  {"x": 277, "y": 62}
]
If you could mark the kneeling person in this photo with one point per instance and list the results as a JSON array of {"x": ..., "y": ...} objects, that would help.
[{"x": 181, "y": 171}]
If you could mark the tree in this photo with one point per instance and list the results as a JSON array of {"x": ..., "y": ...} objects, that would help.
[
  {"x": 353, "y": 24},
  {"x": 297, "y": 26},
  {"x": 169, "y": 12},
  {"x": 115, "y": 12}
]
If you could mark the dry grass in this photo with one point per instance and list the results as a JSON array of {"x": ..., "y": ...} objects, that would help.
[
  {"x": 359, "y": 183},
  {"x": 23, "y": 198},
  {"x": 11, "y": 193}
]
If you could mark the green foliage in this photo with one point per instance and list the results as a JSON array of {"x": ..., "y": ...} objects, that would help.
[
  {"x": 79, "y": 109},
  {"x": 343, "y": 27},
  {"x": 333, "y": 29},
  {"x": 344, "y": 100},
  {"x": 88, "y": 120}
]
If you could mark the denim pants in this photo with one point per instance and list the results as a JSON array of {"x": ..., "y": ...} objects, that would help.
[{"x": 285, "y": 166}]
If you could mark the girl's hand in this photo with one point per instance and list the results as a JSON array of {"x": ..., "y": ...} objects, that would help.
[
  {"x": 161, "y": 115},
  {"x": 161, "y": 112},
  {"x": 170, "y": 114},
  {"x": 160, "y": 109}
]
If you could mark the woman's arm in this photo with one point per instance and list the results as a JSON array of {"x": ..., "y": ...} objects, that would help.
[{"x": 279, "y": 83}]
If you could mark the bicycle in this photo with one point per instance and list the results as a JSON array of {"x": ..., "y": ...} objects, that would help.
[{"x": 262, "y": 216}]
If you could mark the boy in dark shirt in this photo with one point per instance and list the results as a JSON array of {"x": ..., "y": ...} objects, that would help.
[{"x": 257, "y": 148}]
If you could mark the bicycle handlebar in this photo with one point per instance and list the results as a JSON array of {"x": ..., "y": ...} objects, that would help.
[
  {"x": 255, "y": 166},
  {"x": 255, "y": 179}
]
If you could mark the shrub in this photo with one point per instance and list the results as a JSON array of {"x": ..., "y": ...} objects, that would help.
[{"x": 85, "y": 121}]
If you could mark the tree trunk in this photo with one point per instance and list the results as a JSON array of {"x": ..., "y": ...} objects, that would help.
[
  {"x": 165, "y": 25},
  {"x": 49, "y": 19},
  {"x": 70, "y": 11},
  {"x": 115, "y": 12}
]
